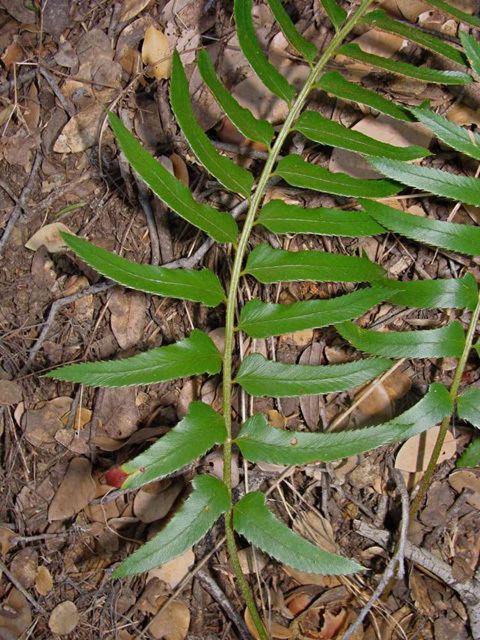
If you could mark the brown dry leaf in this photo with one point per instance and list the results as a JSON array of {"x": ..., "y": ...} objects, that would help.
[
  {"x": 128, "y": 316},
  {"x": 415, "y": 453},
  {"x": 300, "y": 338},
  {"x": 6, "y": 114},
  {"x": 64, "y": 618},
  {"x": 81, "y": 131},
  {"x": 118, "y": 413},
  {"x": 173, "y": 572},
  {"x": 409, "y": 9},
  {"x": 276, "y": 419},
  {"x": 156, "y": 52},
  {"x": 380, "y": 403},
  {"x": 31, "y": 113},
  {"x": 466, "y": 479},
  {"x": 75, "y": 492},
  {"x": 275, "y": 631},
  {"x": 49, "y": 237},
  {"x": 12, "y": 54},
  {"x": 155, "y": 501},
  {"x": 384, "y": 129},
  {"x": 304, "y": 578},
  {"x": 24, "y": 566},
  {"x": 463, "y": 115},
  {"x": 171, "y": 623},
  {"x": 42, "y": 423},
  {"x": 311, "y": 405},
  {"x": 131, "y": 61},
  {"x": 251, "y": 563},
  {"x": 374, "y": 42},
  {"x": 10, "y": 392},
  {"x": 317, "y": 529},
  {"x": 82, "y": 417},
  {"x": 15, "y": 615},
  {"x": 43, "y": 581},
  {"x": 6, "y": 536},
  {"x": 218, "y": 337},
  {"x": 328, "y": 626},
  {"x": 131, "y": 8},
  {"x": 180, "y": 169}
]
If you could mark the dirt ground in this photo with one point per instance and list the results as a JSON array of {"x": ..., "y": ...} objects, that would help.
[{"x": 62, "y": 528}]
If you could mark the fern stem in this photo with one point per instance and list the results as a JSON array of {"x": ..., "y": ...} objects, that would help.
[
  {"x": 437, "y": 449},
  {"x": 255, "y": 202}
]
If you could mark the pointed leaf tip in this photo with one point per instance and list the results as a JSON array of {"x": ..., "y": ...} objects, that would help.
[
  {"x": 208, "y": 500},
  {"x": 253, "y": 520}
]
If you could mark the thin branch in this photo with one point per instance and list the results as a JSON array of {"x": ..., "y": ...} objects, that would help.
[
  {"x": 397, "y": 561},
  {"x": 468, "y": 591},
  {"x": 4, "y": 569},
  {"x": 20, "y": 205},
  {"x": 54, "y": 309},
  {"x": 211, "y": 587}
]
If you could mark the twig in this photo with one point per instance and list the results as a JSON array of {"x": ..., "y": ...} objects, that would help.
[
  {"x": 364, "y": 394},
  {"x": 211, "y": 587},
  {"x": 144, "y": 199},
  {"x": 66, "y": 104},
  {"x": 54, "y": 309},
  {"x": 4, "y": 569},
  {"x": 397, "y": 560},
  {"x": 468, "y": 591},
  {"x": 20, "y": 205},
  {"x": 191, "y": 261}
]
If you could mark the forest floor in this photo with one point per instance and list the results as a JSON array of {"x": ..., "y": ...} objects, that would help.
[{"x": 62, "y": 528}]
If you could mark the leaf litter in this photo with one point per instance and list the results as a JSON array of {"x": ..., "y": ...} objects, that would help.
[{"x": 55, "y": 487}]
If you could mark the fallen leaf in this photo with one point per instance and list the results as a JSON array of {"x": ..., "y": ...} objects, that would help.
[
  {"x": 304, "y": 578},
  {"x": 82, "y": 417},
  {"x": 64, "y": 618},
  {"x": 131, "y": 8},
  {"x": 76, "y": 490},
  {"x": 66, "y": 55},
  {"x": 15, "y": 615},
  {"x": 24, "y": 566},
  {"x": 6, "y": 536},
  {"x": 31, "y": 113},
  {"x": 375, "y": 42},
  {"x": 252, "y": 560},
  {"x": 43, "y": 581},
  {"x": 463, "y": 115},
  {"x": 173, "y": 572},
  {"x": 81, "y": 131},
  {"x": 128, "y": 317},
  {"x": 380, "y": 402},
  {"x": 12, "y": 54},
  {"x": 56, "y": 17},
  {"x": 465, "y": 479},
  {"x": 49, "y": 237},
  {"x": 311, "y": 405},
  {"x": 118, "y": 413},
  {"x": 180, "y": 169},
  {"x": 276, "y": 419},
  {"x": 384, "y": 129},
  {"x": 10, "y": 392},
  {"x": 43, "y": 421},
  {"x": 325, "y": 627},
  {"x": 156, "y": 52},
  {"x": 317, "y": 529},
  {"x": 171, "y": 623},
  {"x": 155, "y": 501},
  {"x": 275, "y": 630},
  {"x": 409, "y": 9},
  {"x": 415, "y": 453}
]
